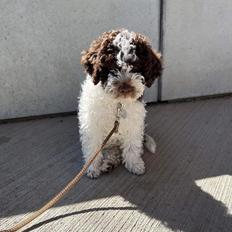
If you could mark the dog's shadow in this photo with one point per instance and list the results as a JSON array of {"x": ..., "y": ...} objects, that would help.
[{"x": 169, "y": 191}]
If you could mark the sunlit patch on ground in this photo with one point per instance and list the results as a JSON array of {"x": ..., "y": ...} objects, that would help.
[{"x": 219, "y": 187}]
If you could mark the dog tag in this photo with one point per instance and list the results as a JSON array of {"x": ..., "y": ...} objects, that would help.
[{"x": 123, "y": 113}]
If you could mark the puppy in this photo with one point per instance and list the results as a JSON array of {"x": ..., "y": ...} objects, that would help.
[{"x": 119, "y": 65}]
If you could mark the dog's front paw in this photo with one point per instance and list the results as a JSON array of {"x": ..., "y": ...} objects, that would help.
[
  {"x": 93, "y": 173},
  {"x": 137, "y": 167}
]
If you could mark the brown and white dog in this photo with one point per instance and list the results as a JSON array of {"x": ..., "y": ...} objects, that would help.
[{"x": 119, "y": 65}]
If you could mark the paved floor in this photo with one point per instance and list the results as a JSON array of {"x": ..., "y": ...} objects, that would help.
[{"x": 187, "y": 185}]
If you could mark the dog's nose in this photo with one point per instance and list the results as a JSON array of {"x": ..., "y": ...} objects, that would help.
[{"x": 125, "y": 88}]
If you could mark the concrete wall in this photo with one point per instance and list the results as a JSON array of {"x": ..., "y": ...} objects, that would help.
[
  {"x": 197, "y": 48},
  {"x": 41, "y": 41},
  {"x": 40, "y": 45}
]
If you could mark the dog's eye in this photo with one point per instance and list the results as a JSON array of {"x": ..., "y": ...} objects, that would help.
[
  {"x": 121, "y": 55},
  {"x": 143, "y": 80}
]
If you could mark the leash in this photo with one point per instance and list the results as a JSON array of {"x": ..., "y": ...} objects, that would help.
[{"x": 73, "y": 182}]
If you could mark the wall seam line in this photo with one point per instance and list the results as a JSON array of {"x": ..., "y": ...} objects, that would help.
[{"x": 162, "y": 4}]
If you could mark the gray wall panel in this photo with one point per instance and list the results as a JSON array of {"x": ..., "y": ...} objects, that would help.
[
  {"x": 40, "y": 45},
  {"x": 197, "y": 48}
]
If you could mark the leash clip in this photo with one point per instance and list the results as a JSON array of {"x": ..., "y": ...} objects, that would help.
[{"x": 121, "y": 112}]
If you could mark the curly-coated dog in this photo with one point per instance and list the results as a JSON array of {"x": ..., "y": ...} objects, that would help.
[{"x": 119, "y": 65}]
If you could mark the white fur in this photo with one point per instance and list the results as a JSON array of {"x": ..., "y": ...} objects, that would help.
[
  {"x": 97, "y": 112},
  {"x": 126, "y": 49}
]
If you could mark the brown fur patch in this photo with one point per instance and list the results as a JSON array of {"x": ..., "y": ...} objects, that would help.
[
  {"x": 100, "y": 58},
  {"x": 149, "y": 62}
]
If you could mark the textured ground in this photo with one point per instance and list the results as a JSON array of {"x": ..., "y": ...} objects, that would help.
[{"x": 187, "y": 185}]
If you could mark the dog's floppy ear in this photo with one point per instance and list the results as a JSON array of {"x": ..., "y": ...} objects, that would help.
[
  {"x": 149, "y": 60},
  {"x": 88, "y": 59},
  {"x": 100, "y": 58}
]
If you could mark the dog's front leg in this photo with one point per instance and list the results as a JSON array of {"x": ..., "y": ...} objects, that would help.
[
  {"x": 89, "y": 147},
  {"x": 132, "y": 151},
  {"x": 94, "y": 169}
]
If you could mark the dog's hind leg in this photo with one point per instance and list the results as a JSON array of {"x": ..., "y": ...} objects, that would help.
[{"x": 112, "y": 158}]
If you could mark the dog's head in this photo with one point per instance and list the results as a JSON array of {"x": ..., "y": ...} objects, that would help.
[{"x": 123, "y": 62}]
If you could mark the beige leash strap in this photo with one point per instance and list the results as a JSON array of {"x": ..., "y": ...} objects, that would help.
[{"x": 68, "y": 187}]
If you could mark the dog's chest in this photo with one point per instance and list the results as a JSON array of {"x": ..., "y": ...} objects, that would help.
[
  {"x": 131, "y": 119},
  {"x": 98, "y": 111}
]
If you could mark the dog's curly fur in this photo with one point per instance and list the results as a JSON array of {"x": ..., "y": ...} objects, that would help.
[
  {"x": 119, "y": 64},
  {"x": 101, "y": 58}
]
